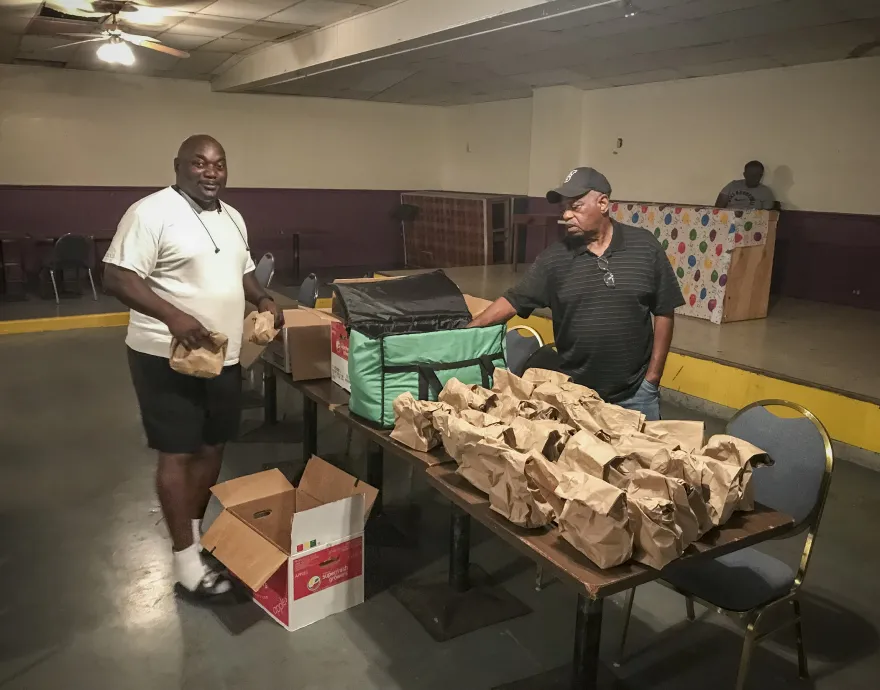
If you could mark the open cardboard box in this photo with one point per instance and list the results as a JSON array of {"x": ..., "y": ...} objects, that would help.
[
  {"x": 301, "y": 347},
  {"x": 339, "y": 342},
  {"x": 300, "y": 550}
]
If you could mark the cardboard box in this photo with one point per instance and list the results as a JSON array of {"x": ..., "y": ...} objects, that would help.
[
  {"x": 301, "y": 348},
  {"x": 300, "y": 550},
  {"x": 339, "y": 355},
  {"x": 339, "y": 343}
]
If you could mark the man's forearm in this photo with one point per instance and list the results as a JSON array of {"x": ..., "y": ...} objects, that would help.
[
  {"x": 500, "y": 311},
  {"x": 132, "y": 290},
  {"x": 663, "y": 327},
  {"x": 253, "y": 292}
]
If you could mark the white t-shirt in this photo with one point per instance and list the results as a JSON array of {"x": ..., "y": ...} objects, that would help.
[{"x": 161, "y": 239}]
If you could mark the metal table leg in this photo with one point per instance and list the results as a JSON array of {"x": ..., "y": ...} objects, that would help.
[
  {"x": 270, "y": 395},
  {"x": 310, "y": 428},
  {"x": 376, "y": 473},
  {"x": 459, "y": 550},
  {"x": 466, "y": 600},
  {"x": 587, "y": 634},
  {"x": 585, "y": 671}
]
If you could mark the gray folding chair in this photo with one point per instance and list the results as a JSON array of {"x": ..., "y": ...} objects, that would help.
[
  {"x": 265, "y": 270},
  {"x": 746, "y": 584},
  {"x": 520, "y": 347},
  {"x": 308, "y": 291},
  {"x": 71, "y": 251}
]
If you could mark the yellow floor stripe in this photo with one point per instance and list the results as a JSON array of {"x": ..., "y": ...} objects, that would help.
[{"x": 63, "y": 323}]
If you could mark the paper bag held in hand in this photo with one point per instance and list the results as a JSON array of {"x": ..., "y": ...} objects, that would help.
[
  {"x": 261, "y": 329},
  {"x": 204, "y": 362}
]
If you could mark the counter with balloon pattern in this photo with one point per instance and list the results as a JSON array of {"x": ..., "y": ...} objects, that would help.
[{"x": 707, "y": 249}]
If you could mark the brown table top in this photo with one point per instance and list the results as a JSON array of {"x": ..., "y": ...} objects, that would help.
[
  {"x": 325, "y": 392},
  {"x": 569, "y": 564}
]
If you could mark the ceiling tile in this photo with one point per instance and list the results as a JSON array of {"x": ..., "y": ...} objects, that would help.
[
  {"x": 258, "y": 9},
  {"x": 268, "y": 31},
  {"x": 203, "y": 25},
  {"x": 230, "y": 45},
  {"x": 201, "y": 63},
  {"x": 226, "y": 64},
  {"x": 183, "y": 41},
  {"x": 318, "y": 12},
  {"x": 743, "y": 65}
]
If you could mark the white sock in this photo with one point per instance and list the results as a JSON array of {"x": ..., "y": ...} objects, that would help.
[
  {"x": 188, "y": 567},
  {"x": 197, "y": 533}
]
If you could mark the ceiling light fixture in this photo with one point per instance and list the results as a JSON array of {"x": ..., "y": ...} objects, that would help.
[
  {"x": 116, "y": 52},
  {"x": 629, "y": 10}
]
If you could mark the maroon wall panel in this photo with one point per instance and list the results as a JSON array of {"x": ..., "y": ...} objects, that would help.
[{"x": 337, "y": 228}]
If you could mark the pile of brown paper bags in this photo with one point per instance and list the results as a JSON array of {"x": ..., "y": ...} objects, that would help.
[{"x": 547, "y": 450}]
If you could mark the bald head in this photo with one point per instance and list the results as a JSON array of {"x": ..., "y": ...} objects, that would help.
[{"x": 200, "y": 167}]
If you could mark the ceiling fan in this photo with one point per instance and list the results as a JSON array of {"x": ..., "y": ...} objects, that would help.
[{"x": 115, "y": 48}]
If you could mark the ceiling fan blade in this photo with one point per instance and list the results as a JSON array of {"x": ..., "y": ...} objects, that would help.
[
  {"x": 83, "y": 35},
  {"x": 168, "y": 50},
  {"x": 78, "y": 43},
  {"x": 137, "y": 39}
]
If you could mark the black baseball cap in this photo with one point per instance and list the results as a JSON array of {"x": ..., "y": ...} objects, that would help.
[{"x": 577, "y": 183}]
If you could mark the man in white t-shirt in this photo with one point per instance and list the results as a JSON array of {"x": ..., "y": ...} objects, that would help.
[
  {"x": 180, "y": 260},
  {"x": 748, "y": 192}
]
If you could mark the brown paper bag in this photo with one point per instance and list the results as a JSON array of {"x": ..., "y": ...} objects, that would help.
[
  {"x": 456, "y": 434},
  {"x": 647, "y": 482},
  {"x": 514, "y": 496},
  {"x": 642, "y": 447},
  {"x": 720, "y": 484},
  {"x": 541, "y": 435},
  {"x": 204, "y": 362},
  {"x": 538, "y": 376},
  {"x": 504, "y": 406},
  {"x": 536, "y": 409},
  {"x": 482, "y": 463},
  {"x": 614, "y": 419},
  {"x": 544, "y": 476},
  {"x": 413, "y": 422},
  {"x": 507, "y": 383},
  {"x": 586, "y": 453},
  {"x": 595, "y": 519},
  {"x": 656, "y": 541},
  {"x": 734, "y": 450},
  {"x": 263, "y": 330},
  {"x": 462, "y": 397},
  {"x": 677, "y": 433}
]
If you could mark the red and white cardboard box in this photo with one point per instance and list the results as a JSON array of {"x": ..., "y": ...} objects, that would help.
[
  {"x": 300, "y": 550},
  {"x": 339, "y": 355}
]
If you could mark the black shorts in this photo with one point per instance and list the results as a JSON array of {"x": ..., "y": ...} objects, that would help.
[{"x": 182, "y": 413}]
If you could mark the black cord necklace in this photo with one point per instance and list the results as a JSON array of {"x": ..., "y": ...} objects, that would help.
[{"x": 192, "y": 204}]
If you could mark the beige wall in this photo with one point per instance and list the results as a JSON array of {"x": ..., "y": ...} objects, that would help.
[
  {"x": 67, "y": 127},
  {"x": 815, "y": 127},
  {"x": 486, "y": 147},
  {"x": 557, "y": 113}
]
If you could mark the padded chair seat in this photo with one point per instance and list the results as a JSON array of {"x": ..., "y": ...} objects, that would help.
[{"x": 739, "y": 581}]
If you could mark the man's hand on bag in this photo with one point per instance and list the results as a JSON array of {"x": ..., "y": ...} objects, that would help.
[
  {"x": 187, "y": 330},
  {"x": 268, "y": 304}
]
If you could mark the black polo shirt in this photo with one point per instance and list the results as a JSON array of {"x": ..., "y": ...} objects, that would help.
[{"x": 604, "y": 335}]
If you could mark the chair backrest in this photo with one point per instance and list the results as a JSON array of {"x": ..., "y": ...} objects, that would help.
[
  {"x": 308, "y": 291},
  {"x": 72, "y": 250},
  {"x": 545, "y": 357},
  {"x": 265, "y": 270},
  {"x": 522, "y": 343},
  {"x": 797, "y": 483}
]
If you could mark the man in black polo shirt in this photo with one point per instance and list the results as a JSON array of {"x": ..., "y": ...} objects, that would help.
[{"x": 602, "y": 283}]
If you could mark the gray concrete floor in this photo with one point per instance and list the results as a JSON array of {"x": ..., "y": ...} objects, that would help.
[{"x": 86, "y": 570}]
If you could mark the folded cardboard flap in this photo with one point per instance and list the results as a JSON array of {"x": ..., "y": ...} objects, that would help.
[
  {"x": 476, "y": 305},
  {"x": 235, "y": 544},
  {"x": 327, "y": 483},
  {"x": 253, "y": 535}
]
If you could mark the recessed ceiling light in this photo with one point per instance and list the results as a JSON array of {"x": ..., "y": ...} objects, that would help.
[{"x": 629, "y": 10}]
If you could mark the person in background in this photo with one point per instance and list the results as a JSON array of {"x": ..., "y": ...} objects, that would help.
[
  {"x": 603, "y": 284},
  {"x": 748, "y": 192},
  {"x": 181, "y": 262}
]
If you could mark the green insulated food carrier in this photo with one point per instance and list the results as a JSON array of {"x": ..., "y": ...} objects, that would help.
[{"x": 409, "y": 334}]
